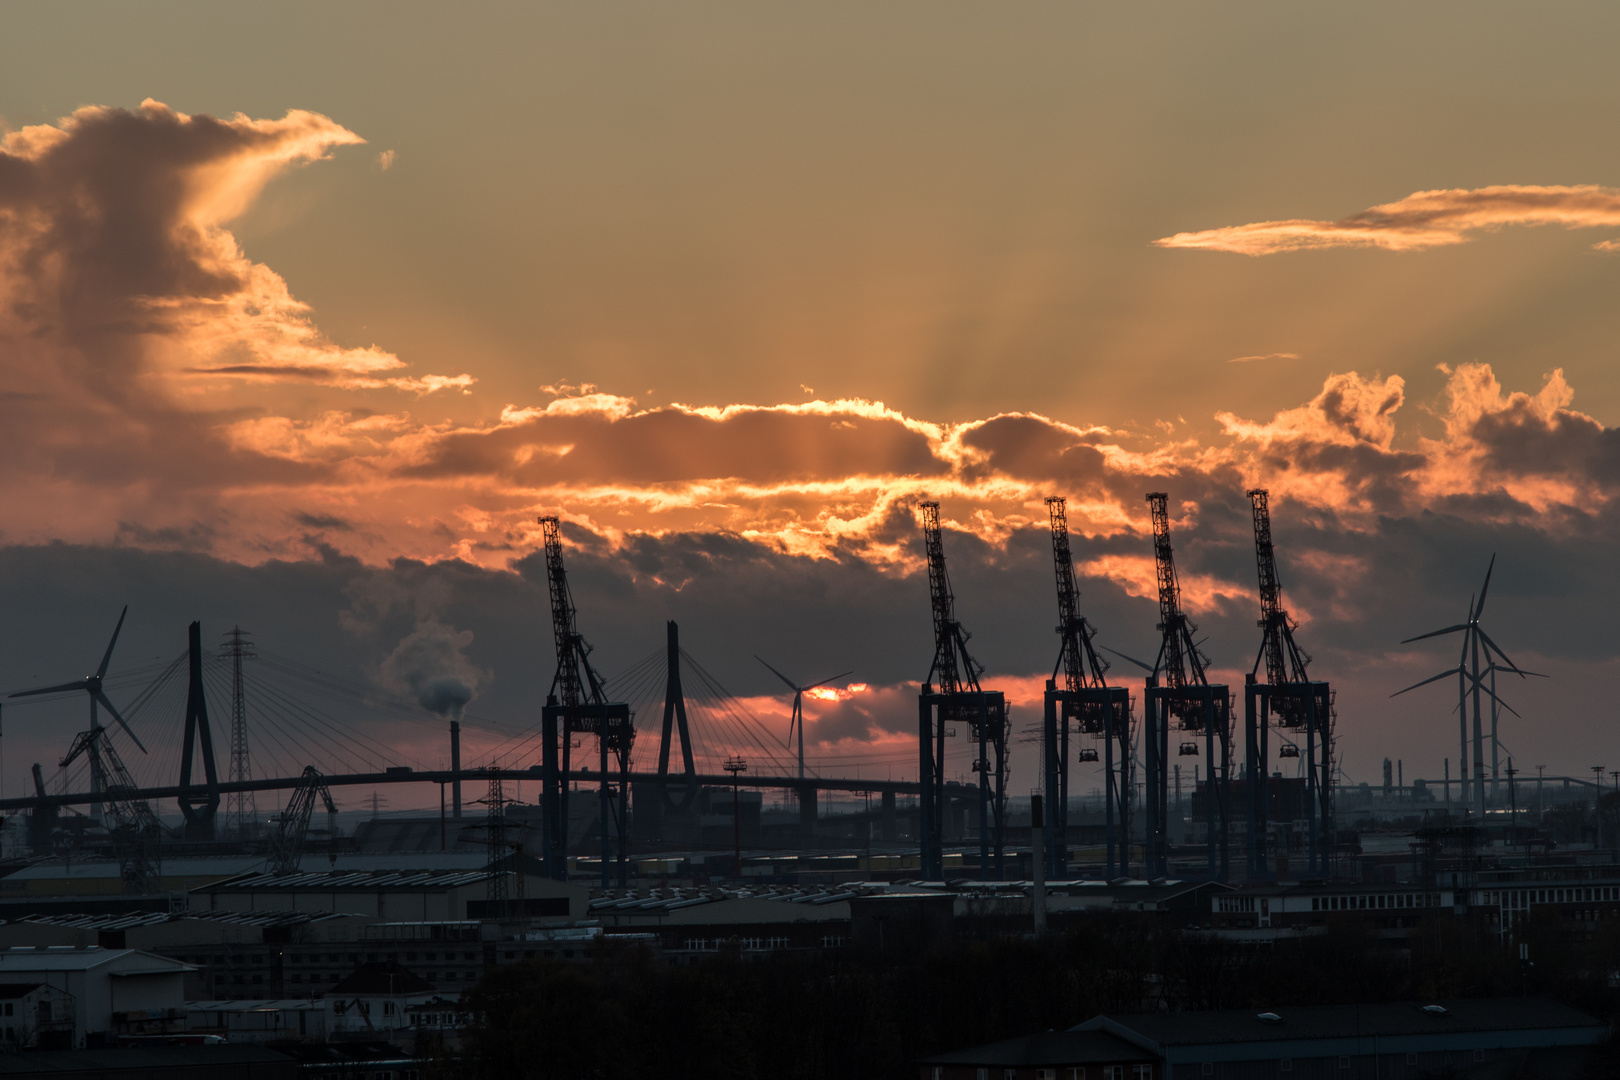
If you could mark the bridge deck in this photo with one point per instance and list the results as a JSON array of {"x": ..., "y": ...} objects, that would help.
[{"x": 471, "y": 776}]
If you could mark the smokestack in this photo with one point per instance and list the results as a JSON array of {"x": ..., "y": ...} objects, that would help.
[
  {"x": 455, "y": 767},
  {"x": 1037, "y": 858}
]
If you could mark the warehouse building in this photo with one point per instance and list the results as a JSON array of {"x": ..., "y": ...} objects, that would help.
[
  {"x": 109, "y": 990},
  {"x": 1351, "y": 1042},
  {"x": 389, "y": 895}
]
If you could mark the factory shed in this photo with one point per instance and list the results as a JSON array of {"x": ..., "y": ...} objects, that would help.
[
  {"x": 1413, "y": 1038},
  {"x": 109, "y": 989},
  {"x": 698, "y": 921},
  {"x": 396, "y": 895},
  {"x": 1044, "y": 1055}
]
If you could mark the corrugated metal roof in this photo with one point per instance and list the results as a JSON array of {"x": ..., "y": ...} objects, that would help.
[
  {"x": 338, "y": 880},
  {"x": 257, "y": 1005},
  {"x": 65, "y": 958},
  {"x": 155, "y": 918},
  {"x": 228, "y": 865},
  {"x": 657, "y": 900}
]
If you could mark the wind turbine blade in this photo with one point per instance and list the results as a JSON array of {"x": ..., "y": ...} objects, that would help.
[
  {"x": 1437, "y": 633},
  {"x": 1485, "y": 689},
  {"x": 50, "y": 689},
  {"x": 1145, "y": 667},
  {"x": 1494, "y": 647},
  {"x": 833, "y": 678},
  {"x": 107, "y": 656},
  {"x": 1479, "y": 609},
  {"x": 105, "y": 704},
  {"x": 791, "y": 685},
  {"x": 1448, "y": 673}
]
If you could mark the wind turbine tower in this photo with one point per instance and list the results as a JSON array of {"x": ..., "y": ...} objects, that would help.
[{"x": 1473, "y": 682}]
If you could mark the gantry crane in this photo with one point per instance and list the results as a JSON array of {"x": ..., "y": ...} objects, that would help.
[
  {"x": 578, "y": 702},
  {"x": 1180, "y": 694},
  {"x": 1292, "y": 702},
  {"x": 1089, "y": 704},
  {"x": 129, "y": 819},
  {"x": 292, "y": 826},
  {"x": 950, "y": 694}
]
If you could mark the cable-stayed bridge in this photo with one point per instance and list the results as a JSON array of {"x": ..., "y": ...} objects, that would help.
[{"x": 276, "y": 714}]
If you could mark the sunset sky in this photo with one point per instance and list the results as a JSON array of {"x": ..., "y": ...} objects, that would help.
[{"x": 308, "y": 311}]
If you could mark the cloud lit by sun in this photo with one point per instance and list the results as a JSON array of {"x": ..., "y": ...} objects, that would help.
[{"x": 833, "y": 693}]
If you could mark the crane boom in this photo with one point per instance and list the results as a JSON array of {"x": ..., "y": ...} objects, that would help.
[
  {"x": 287, "y": 845},
  {"x": 133, "y": 827},
  {"x": 576, "y": 681},
  {"x": 954, "y": 671},
  {"x": 1070, "y": 626},
  {"x": 1285, "y": 661},
  {"x": 1177, "y": 653},
  {"x": 1079, "y": 662}
]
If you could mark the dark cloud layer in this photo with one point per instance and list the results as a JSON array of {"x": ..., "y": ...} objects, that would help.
[{"x": 1357, "y": 593}]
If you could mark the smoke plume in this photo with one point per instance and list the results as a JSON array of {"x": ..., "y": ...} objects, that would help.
[{"x": 431, "y": 665}]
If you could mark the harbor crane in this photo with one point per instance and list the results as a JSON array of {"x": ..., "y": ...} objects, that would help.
[
  {"x": 578, "y": 702},
  {"x": 952, "y": 694},
  {"x": 1086, "y": 703},
  {"x": 1180, "y": 695},
  {"x": 1290, "y": 701},
  {"x": 292, "y": 825}
]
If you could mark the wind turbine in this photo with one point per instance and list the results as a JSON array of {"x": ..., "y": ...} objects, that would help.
[
  {"x": 1497, "y": 705},
  {"x": 1469, "y": 675},
  {"x": 798, "y": 706},
  {"x": 91, "y": 684}
]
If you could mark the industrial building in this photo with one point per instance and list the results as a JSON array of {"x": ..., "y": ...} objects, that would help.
[
  {"x": 1355, "y": 1041},
  {"x": 396, "y": 896},
  {"x": 1047, "y": 1055},
  {"x": 1347, "y": 1042},
  {"x": 106, "y": 990}
]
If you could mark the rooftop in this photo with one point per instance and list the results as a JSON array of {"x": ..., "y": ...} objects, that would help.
[
  {"x": 130, "y": 920},
  {"x": 1048, "y": 1049},
  {"x": 657, "y": 901},
  {"x": 354, "y": 881},
  {"x": 1347, "y": 1021},
  {"x": 374, "y": 980},
  {"x": 82, "y": 958}
]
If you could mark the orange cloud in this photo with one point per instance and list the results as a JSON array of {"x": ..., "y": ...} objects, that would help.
[
  {"x": 130, "y": 314},
  {"x": 1424, "y": 219}
]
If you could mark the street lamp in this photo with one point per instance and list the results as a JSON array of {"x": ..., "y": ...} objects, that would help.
[{"x": 734, "y": 766}]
